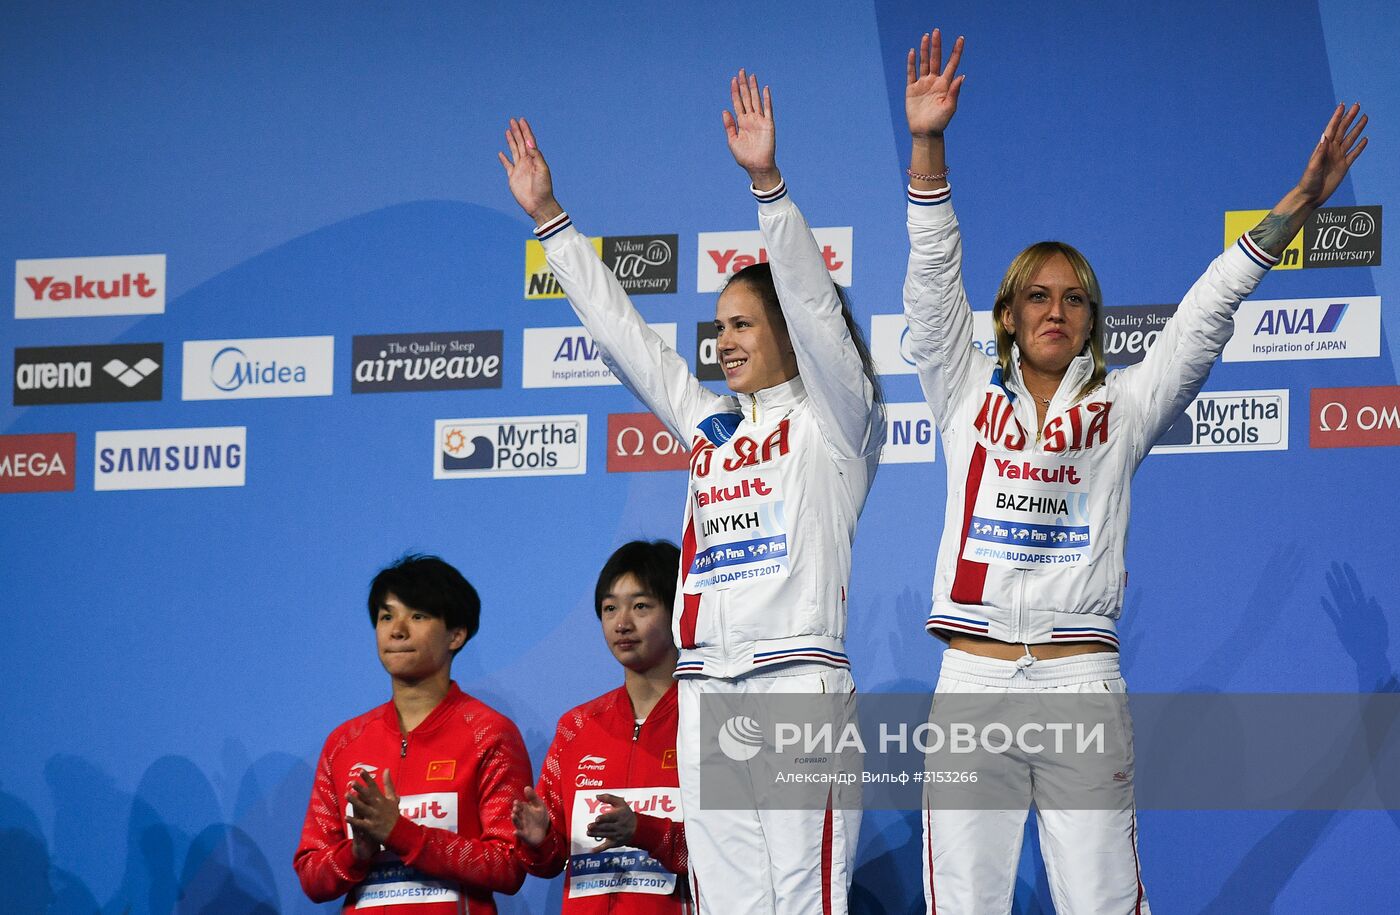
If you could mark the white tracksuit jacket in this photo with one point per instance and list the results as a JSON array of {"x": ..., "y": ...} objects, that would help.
[
  {"x": 1035, "y": 527},
  {"x": 777, "y": 479}
]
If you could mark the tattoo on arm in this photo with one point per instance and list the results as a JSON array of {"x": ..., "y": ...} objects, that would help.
[{"x": 1276, "y": 230}]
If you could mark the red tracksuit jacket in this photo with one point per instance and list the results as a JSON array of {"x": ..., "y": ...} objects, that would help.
[
  {"x": 453, "y": 846},
  {"x": 600, "y": 749}
]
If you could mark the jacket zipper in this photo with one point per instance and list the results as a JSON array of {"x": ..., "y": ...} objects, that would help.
[{"x": 403, "y": 745}]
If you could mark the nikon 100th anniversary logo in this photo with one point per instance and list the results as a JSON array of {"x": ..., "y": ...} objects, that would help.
[
  {"x": 643, "y": 264},
  {"x": 1334, "y": 237}
]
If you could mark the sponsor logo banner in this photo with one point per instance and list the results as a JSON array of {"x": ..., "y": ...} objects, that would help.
[
  {"x": 1230, "y": 421},
  {"x": 88, "y": 374},
  {"x": 723, "y": 253},
  {"x": 1306, "y": 329},
  {"x": 452, "y": 361},
  {"x": 643, "y": 264},
  {"x": 37, "y": 463},
  {"x": 640, "y": 442},
  {"x": 1129, "y": 330},
  {"x": 1333, "y": 237},
  {"x": 890, "y": 344},
  {"x": 510, "y": 446},
  {"x": 170, "y": 458},
  {"x": 707, "y": 367},
  {"x": 1354, "y": 417},
  {"x": 266, "y": 367},
  {"x": 910, "y": 434},
  {"x": 567, "y": 357},
  {"x": 90, "y": 287}
]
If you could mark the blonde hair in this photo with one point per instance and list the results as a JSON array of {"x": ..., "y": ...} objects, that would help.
[{"x": 1020, "y": 274}]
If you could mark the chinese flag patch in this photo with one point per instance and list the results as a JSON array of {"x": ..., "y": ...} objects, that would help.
[{"x": 442, "y": 770}]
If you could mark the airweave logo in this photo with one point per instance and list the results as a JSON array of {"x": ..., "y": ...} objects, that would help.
[
  {"x": 1230, "y": 421},
  {"x": 567, "y": 357},
  {"x": 725, "y": 253},
  {"x": 910, "y": 434},
  {"x": 88, "y": 374},
  {"x": 511, "y": 446},
  {"x": 170, "y": 458},
  {"x": 643, "y": 264},
  {"x": 892, "y": 350},
  {"x": 1333, "y": 237},
  {"x": 90, "y": 287},
  {"x": 1341, "y": 328},
  {"x": 267, "y": 367},
  {"x": 426, "y": 362},
  {"x": 37, "y": 463},
  {"x": 1130, "y": 330}
]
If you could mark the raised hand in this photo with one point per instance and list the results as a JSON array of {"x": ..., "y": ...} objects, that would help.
[
  {"x": 529, "y": 177},
  {"x": 1341, "y": 143},
  {"x": 750, "y": 131},
  {"x": 616, "y": 826},
  {"x": 374, "y": 811},
  {"x": 931, "y": 89},
  {"x": 530, "y": 818}
]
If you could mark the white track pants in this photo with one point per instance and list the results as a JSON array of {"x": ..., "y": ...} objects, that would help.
[
  {"x": 970, "y": 856},
  {"x": 755, "y": 861}
]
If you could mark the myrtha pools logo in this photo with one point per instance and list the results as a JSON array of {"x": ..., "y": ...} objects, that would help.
[{"x": 513, "y": 446}]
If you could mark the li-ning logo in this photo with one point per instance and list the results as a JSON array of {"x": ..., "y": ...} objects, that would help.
[
  {"x": 593, "y": 763},
  {"x": 130, "y": 375},
  {"x": 741, "y": 738}
]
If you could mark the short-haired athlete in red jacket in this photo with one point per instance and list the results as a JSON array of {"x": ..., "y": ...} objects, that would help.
[
  {"x": 411, "y": 804},
  {"x": 608, "y": 802}
]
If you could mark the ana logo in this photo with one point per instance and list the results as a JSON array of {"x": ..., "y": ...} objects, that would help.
[
  {"x": 892, "y": 349},
  {"x": 37, "y": 463},
  {"x": 1130, "y": 330},
  {"x": 441, "y": 770},
  {"x": 170, "y": 458},
  {"x": 741, "y": 738},
  {"x": 1355, "y": 417},
  {"x": 426, "y": 362},
  {"x": 510, "y": 447},
  {"x": 724, "y": 253},
  {"x": 88, "y": 374},
  {"x": 909, "y": 434},
  {"x": 1306, "y": 329},
  {"x": 639, "y": 442},
  {"x": 565, "y": 357},
  {"x": 1230, "y": 421},
  {"x": 268, "y": 367},
  {"x": 88, "y": 287}
]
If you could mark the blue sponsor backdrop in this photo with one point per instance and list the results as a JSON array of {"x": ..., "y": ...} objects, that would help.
[{"x": 173, "y": 659}]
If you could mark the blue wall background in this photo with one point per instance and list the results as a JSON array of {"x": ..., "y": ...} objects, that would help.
[{"x": 172, "y": 660}]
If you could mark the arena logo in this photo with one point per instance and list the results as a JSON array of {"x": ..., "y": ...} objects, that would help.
[
  {"x": 512, "y": 446},
  {"x": 639, "y": 442},
  {"x": 1130, "y": 330},
  {"x": 170, "y": 458},
  {"x": 723, "y": 253},
  {"x": 108, "y": 373},
  {"x": 257, "y": 368},
  {"x": 567, "y": 357},
  {"x": 41, "y": 462},
  {"x": 891, "y": 347},
  {"x": 910, "y": 434},
  {"x": 90, "y": 287},
  {"x": 453, "y": 361},
  {"x": 1306, "y": 329},
  {"x": 1333, "y": 237},
  {"x": 1230, "y": 421},
  {"x": 1355, "y": 417},
  {"x": 643, "y": 264}
]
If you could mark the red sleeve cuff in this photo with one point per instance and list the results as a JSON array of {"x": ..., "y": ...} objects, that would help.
[
  {"x": 651, "y": 833},
  {"x": 405, "y": 838}
]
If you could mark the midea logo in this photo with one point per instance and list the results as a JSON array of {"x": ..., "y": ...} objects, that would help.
[{"x": 230, "y": 370}]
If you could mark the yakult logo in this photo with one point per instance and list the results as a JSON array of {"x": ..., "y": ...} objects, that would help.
[
  {"x": 1355, "y": 417},
  {"x": 90, "y": 287},
  {"x": 723, "y": 253},
  {"x": 640, "y": 442}
]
